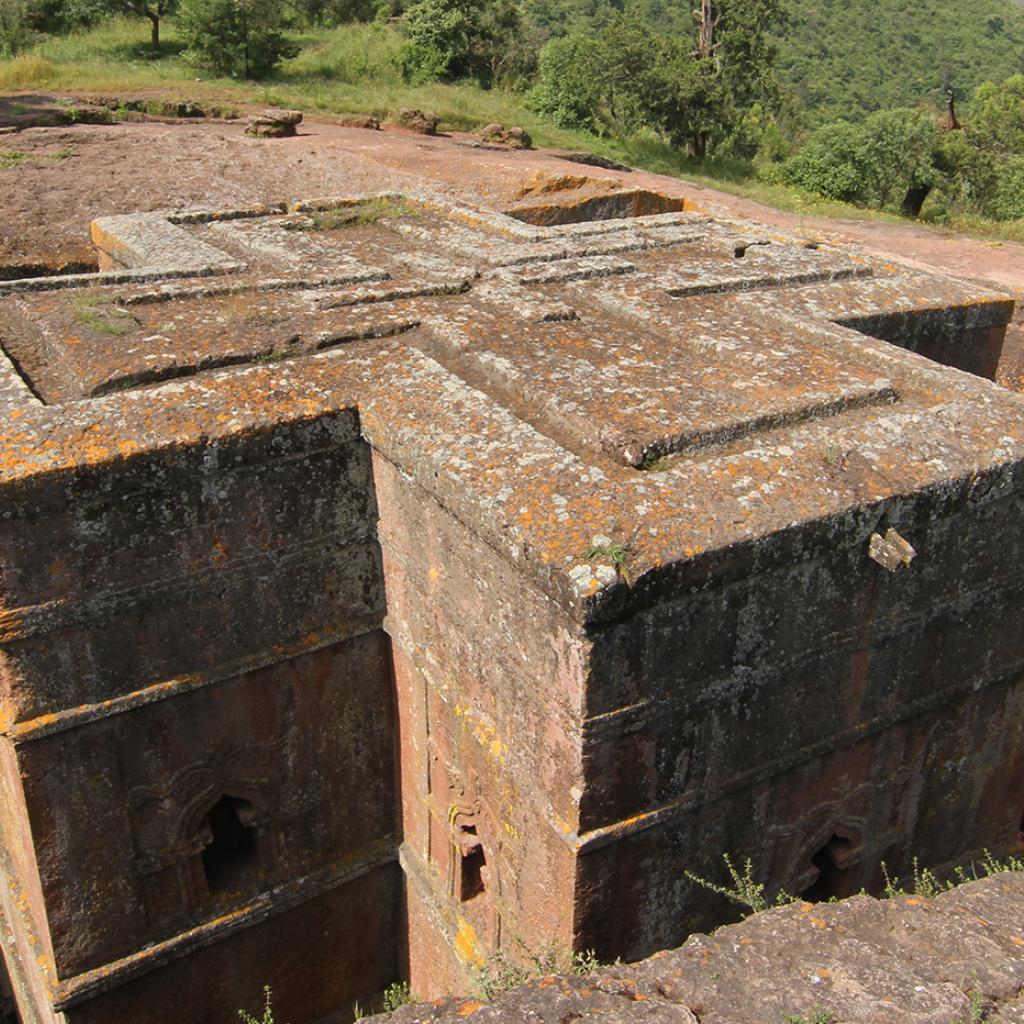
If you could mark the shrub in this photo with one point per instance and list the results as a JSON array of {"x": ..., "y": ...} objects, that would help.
[
  {"x": 237, "y": 38},
  {"x": 568, "y": 89},
  {"x": 1008, "y": 201},
  {"x": 877, "y": 162},
  {"x": 832, "y": 164},
  {"x": 26, "y": 71},
  {"x": 997, "y": 116},
  {"x": 900, "y": 153},
  {"x": 446, "y": 39}
]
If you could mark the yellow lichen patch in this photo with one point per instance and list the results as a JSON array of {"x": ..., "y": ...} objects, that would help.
[
  {"x": 467, "y": 945},
  {"x": 544, "y": 184},
  {"x": 484, "y": 733},
  {"x": 469, "y": 1008}
]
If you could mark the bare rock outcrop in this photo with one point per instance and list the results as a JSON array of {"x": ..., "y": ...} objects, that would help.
[{"x": 958, "y": 957}]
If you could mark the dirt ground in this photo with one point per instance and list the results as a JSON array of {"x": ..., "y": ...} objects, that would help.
[{"x": 70, "y": 175}]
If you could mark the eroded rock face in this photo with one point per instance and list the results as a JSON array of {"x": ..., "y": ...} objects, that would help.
[{"x": 863, "y": 961}]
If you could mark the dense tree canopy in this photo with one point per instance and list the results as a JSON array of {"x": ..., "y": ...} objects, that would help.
[{"x": 692, "y": 87}]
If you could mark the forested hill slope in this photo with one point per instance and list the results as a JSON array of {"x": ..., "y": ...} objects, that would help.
[{"x": 846, "y": 58}]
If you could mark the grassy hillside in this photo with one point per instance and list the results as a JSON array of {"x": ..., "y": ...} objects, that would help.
[
  {"x": 357, "y": 69},
  {"x": 845, "y": 58}
]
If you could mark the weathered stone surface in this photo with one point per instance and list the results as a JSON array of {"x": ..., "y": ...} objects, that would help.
[
  {"x": 423, "y": 121},
  {"x": 274, "y": 123},
  {"x": 901, "y": 961},
  {"x": 494, "y": 566}
]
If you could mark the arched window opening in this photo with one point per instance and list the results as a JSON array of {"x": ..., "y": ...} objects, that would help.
[
  {"x": 472, "y": 864},
  {"x": 230, "y": 854},
  {"x": 835, "y": 872}
]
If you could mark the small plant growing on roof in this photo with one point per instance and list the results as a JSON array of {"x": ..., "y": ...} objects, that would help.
[
  {"x": 499, "y": 973},
  {"x": 816, "y": 1017},
  {"x": 980, "y": 1010},
  {"x": 396, "y": 995},
  {"x": 359, "y": 214},
  {"x": 267, "y": 1017},
  {"x": 926, "y": 884},
  {"x": 585, "y": 961},
  {"x": 744, "y": 889},
  {"x": 655, "y": 463},
  {"x": 99, "y": 312},
  {"x": 617, "y": 554}
]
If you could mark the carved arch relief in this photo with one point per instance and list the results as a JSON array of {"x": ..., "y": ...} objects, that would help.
[
  {"x": 203, "y": 832},
  {"x": 474, "y": 875},
  {"x": 835, "y": 865}
]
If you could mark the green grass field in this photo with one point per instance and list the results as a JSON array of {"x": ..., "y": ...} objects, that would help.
[{"x": 356, "y": 69}]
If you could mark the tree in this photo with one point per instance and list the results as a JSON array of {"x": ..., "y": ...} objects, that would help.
[
  {"x": 895, "y": 157},
  {"x": 734, "y": 52},
  {"x": 239, "y": 38},
  {"x": 831, "y": 163},
  {"x": 451, "y": 39},
  {"x": 620, "y": 80},
  {"x": 1008, "y": 201},
  {"x": 153, "y": 10},
  {"x": 15, "y": 31},
  {"x": 568, "y": 89},
  {"x": 334, "y": 12},
  {"x": 901, "y": 154},
  {"x": 971, "y": 174},
  {"x": 997, "y": 116}
]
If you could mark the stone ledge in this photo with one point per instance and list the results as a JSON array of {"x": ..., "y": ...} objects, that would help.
[{"x": 899, "y": 961}]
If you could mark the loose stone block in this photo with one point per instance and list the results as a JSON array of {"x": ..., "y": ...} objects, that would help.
[
  {"x": 424, "y": 122},
  {"x": 274, "y": 123},
  {"x": 514, "y": 138}
]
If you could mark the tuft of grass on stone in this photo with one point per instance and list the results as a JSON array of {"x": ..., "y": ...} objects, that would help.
[
  {"x": 99, "y": 313},
  {"x": 396, "y": 995},
  {"x": 617, "y": 554},
  {"x": 12, "y": 157},
  {"x": 360, "y": 214},
  {"x": 816, "y": 1017}
]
